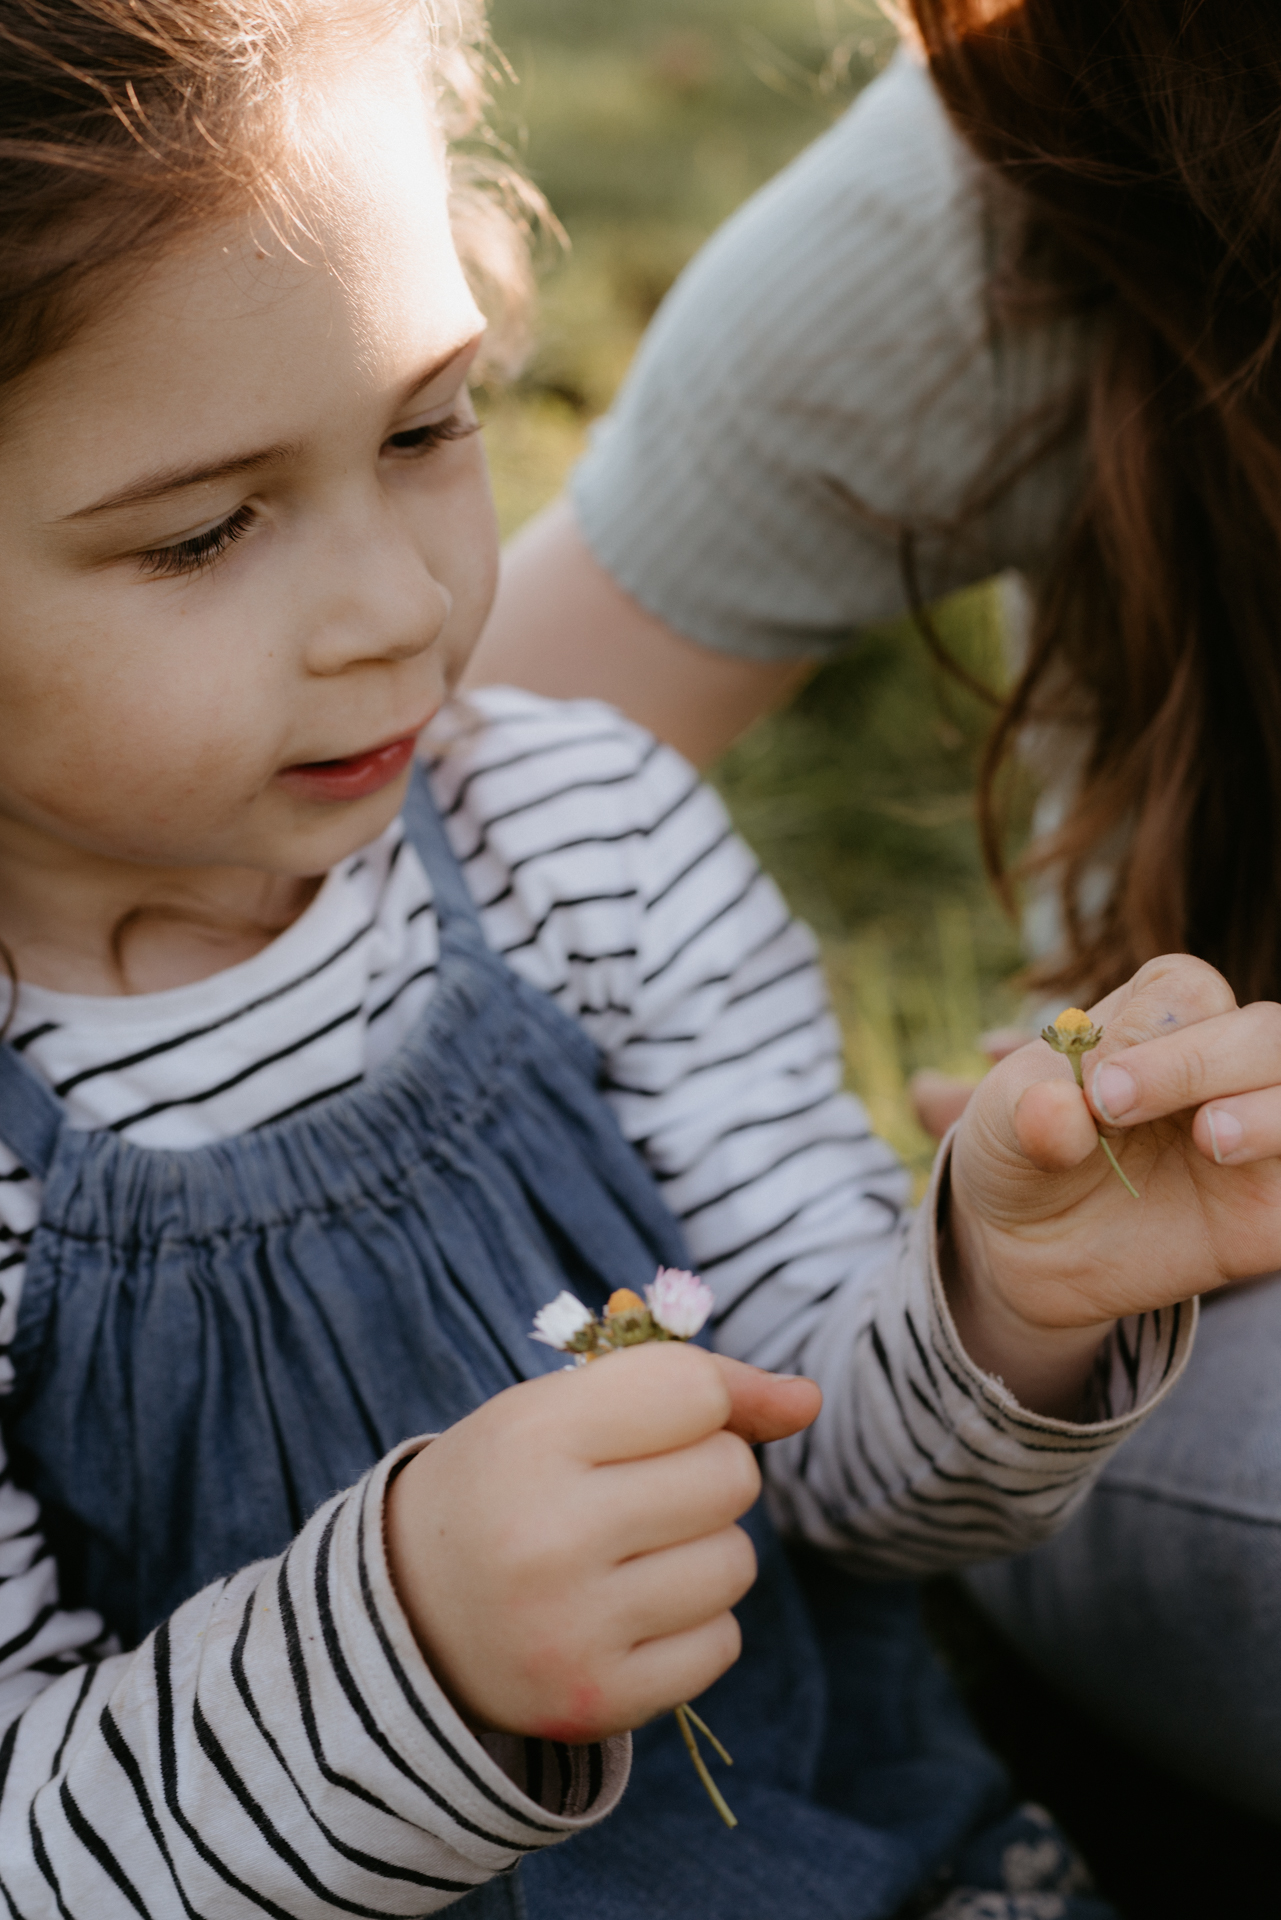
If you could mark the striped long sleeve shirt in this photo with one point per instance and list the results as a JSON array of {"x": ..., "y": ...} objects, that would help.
[{"x": 279, "y": 1746}]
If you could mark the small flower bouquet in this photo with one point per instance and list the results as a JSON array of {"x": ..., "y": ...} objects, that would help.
[
  {"x": 675, "y": 1307},
  {"x": 1074, "y": 1034}
]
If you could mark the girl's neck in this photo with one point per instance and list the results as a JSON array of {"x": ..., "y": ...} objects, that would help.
[{"x": 77, "y": 923}]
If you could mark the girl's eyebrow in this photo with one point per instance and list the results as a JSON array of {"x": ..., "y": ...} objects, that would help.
[
  {"x": 165, "y": 480},
  {"x": 153, "y": 486}
]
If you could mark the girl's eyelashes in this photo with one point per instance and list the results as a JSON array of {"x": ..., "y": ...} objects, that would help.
[
  {"x": 437, "y": 433},
  {"x": 198, "y": 549},
  {"x": 202, "y": 549}
]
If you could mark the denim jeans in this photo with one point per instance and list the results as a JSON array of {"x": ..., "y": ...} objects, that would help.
[{"x": 1158, "y": 1608}]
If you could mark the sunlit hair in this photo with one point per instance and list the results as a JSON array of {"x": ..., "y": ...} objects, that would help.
[
  {"x": 126, "y": 124},
  {"x": 1145, "y": 139}
]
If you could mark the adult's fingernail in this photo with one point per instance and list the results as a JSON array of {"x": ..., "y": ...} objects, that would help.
[
  {"x": 1114, "y": 1092},
  {"x": 1226, "y": 1133}
]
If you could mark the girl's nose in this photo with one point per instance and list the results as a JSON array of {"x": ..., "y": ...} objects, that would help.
[{"x": 377, "y": 599}]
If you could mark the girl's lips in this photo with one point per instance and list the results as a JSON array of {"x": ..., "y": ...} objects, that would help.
[{"x": 353, "y": 778}]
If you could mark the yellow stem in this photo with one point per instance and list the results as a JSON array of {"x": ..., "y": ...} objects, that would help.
[
  {"x": 714, "y": 1793},
  {"x": 706, "y": 1731}
]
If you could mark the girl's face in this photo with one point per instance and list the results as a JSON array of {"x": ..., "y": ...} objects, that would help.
[{"x": 244, "y": 533}]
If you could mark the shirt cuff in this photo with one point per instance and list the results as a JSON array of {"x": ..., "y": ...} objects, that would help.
[
  {"x": 1138, "y": 1365},
  {"x": 500, "y": 1788}
]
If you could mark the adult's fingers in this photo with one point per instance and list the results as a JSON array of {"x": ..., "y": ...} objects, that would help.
[
  {"x": 1229, "y": 1053},
  {"x": 767, "y": 1406},
  {"x": 1001, "y": 1042},
  {"x": 939, "y": 1100}
]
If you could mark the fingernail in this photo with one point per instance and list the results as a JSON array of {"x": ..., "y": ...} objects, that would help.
[
  {"x": 1114, "y": 1092},
  {"x": 1226, "y": 1133}
]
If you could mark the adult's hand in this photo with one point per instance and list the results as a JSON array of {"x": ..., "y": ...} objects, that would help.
[
  {"x": 561, "y": 625},
  {"x": 1048, "y": 1247},
  {"x": 939, "y": 1099}
]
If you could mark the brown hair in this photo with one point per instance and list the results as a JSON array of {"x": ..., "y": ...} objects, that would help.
[
  {"x": 125, "y": 124},
  {"x": 1145, "y": 138}
]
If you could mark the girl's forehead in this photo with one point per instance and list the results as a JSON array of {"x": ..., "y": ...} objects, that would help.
[{"x": 284, "y": 329}]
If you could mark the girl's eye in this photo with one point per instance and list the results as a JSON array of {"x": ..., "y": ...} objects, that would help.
[
  {"x": 438, "y": 434},
  {"x": 199, "y": 549}
]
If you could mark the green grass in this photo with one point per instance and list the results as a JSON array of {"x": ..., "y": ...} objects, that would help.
[
  {"x": 646, "y": 122},
  {"x": 860, "y": 799},
  {"x": 646, "y": 125}
]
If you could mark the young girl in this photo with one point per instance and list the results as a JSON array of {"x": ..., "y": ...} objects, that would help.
[{"x": 325, "y": 1072}]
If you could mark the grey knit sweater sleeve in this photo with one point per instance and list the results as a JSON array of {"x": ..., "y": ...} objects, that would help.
[{"x": 831, "y": 367}]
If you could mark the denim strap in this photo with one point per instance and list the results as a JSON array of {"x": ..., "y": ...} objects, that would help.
[
  {"x": 455, "y": 909},
  {"x": 30, "y": 1113}
]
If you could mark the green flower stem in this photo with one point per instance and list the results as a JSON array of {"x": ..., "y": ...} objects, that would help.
[
  {"x": 1105, "y": 1144},
  {"x": 683, "y": 1717},
  {"x": 1116, "y": 1167}
]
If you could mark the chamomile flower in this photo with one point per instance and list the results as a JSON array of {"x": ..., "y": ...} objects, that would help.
[
  {"x": 562, "y": 1321},
  {"x": 675, "y": 1307},
  {"x": 1074, "y": 1034},
  {"x": 680, "y": 1302}
]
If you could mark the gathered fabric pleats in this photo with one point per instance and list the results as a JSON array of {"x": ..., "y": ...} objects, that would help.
[{"x": 211, "y": 1342}]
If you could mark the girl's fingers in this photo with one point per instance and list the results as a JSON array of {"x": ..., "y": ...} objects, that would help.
[
  {"x": 1235, "y": 1132},
  {"x": 1230, "y": 1053},
  {"x": 659, "y": 1674},
  {"x": 682, "y": 1587},
  {"x": 640, "y": 1506},
  {"x": 767, "y": 1406},
  {"x": 1053, "y": 1126},
  {"x": 640, "y": 1401},
  {"x": 1164, "y": 996}
]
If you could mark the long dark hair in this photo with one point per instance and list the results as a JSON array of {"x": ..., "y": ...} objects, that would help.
[{"x": 1145, "y": 138}]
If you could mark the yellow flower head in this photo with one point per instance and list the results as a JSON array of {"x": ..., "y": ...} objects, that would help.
[
  {"x": 623, "y": 1300},
  {"x": 1073, "y": 1034}
]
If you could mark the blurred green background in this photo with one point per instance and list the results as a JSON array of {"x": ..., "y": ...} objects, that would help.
[{"x": 646, "y": 122}]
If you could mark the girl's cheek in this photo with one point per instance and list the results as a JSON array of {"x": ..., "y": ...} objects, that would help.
[{"x": 96, "y": 727}]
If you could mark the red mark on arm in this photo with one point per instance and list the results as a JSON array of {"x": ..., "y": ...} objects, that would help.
[{"x": 579, "y": 1726}]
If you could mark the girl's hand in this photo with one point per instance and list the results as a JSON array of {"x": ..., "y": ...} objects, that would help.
[
  {"x": 567, "y": 1554},
  {"x": 1047, "y": 1247}
]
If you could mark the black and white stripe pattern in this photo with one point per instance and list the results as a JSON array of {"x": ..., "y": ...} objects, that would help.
[{"x": 279, "y": 1747}]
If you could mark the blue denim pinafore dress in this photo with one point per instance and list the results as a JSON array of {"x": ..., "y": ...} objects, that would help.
[{"x": 212, "y": 1342}]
